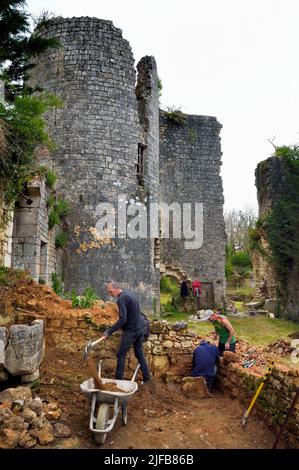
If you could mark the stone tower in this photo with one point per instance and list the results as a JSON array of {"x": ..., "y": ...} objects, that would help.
[
  {"x": 190, "y": 159},
  {"x": 107, "y": 137}
]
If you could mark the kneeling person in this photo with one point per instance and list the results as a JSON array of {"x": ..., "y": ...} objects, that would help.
[{"x": 205, "y": 359}]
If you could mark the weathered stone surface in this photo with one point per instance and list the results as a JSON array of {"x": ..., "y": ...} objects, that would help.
[
  {"x": 26, "y": 441},
  {"x": 24, "y": 351},
  {"x": 5, "y": 415},
  {"x": 18, "y": 393},
  {"x": 61, "y": 430},
  {"x": 16, "y": 423},
  {"x": 160, "y": 363},
  {"x": 28, "y": 415},
  {"x": 52, "y": 412},
  {"x": 36, "y": 406},
  {"x": 3, "y": 341},
  {"x": 168, "y": 344},
  {"x": 27, "y": 378},
  {"x": 8, "y": 438},
  {"x": 3, "y": 374},
  {"x": 42, "y": 430},
  {"x": 195, "y": 387}
]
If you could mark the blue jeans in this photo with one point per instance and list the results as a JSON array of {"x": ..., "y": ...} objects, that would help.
[{"x": 129, "y": 339}]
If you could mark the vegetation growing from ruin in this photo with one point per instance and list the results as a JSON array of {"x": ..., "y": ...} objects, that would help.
[
  {"x": 61, "y": 240},
  {"x": 18, "y": 48},
  {"x": 174, "y": 115},
  {"x": 281, "y": 224},
  {"x": 50, "y": 179},
  {"x": 160, "y": 88},
  {"x": 59, "y": 210},
  {"x": 22, "y": 127},
  {"x": 86, "y": 300},
  {"x": 56, "y": 284}
]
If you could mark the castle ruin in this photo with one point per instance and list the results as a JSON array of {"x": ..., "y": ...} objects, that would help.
[{"x": 111, "y": 140}]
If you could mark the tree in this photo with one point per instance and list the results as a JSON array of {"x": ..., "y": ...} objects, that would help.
[
  {"x": 17, "y": 47},
  {"x": 238, "y": 225}
]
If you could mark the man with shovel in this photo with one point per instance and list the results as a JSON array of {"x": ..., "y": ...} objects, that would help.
[{"x": 131, "y": 322}]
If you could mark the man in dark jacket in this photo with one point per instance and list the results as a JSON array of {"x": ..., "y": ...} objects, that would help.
[
  {"x": 131, "y": 322},
  {"x": 205, "y": 358}
]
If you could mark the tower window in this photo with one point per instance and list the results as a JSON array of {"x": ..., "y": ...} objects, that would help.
[{"x": 140, "y": 164}]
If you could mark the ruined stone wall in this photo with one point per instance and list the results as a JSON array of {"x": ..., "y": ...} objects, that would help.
[
  {"x": 273, "y": 402},
  {"x": 190, "y": 159},
  {"x": 33, "y": 243},
  {"x": 271, "y": 186},
  {"x": 97, "y": 133}
]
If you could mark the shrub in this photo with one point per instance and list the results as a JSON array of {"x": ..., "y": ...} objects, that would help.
[
  {"x": 56, "y": 284},
  {"x": 241, "y": 259},
  {"x": 175, "y": 115},
  {"x": 53, "y": 218},
  {"x": 86, "y": 300},
  {"x": 51, "y": 179},
  {"x": 61, "y": 239},
  {"x": 169, "y": 285}
]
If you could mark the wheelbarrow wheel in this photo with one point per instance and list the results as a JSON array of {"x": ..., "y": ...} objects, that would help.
[
  {"x": 124, "y": 415},
  {"x": 102, "y": 422}
]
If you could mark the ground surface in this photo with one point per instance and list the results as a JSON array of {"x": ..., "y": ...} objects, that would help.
[{"x": 159, "y": 415}]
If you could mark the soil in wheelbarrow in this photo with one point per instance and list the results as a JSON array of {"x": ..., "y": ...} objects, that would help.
[{"x": 159, "y": 415}]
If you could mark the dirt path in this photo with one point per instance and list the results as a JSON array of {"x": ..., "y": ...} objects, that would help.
[{"x": 159, "y": 415}]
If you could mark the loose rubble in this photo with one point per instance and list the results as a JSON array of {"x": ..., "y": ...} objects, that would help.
[{"x": 26, "y": 421}]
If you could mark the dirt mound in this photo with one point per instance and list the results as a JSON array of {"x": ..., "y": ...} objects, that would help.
[{"x": 21, "y": 292}]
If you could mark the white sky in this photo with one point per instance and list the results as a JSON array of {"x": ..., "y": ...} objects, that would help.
[{"x": 233, "y": 59}]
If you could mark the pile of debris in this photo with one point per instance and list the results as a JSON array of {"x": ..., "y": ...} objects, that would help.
[
  {"x": 27, "y": 421},
  {"x": 22, "y": 294},
  {"x": 280, "y": 347}
]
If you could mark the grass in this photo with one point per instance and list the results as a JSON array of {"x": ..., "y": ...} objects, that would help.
[
  {"x": 257, "y": 330},
  {"x": 165, "y": 297}
]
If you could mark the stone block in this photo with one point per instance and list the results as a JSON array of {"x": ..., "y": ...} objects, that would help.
[
  {"x": 25, "y": 348},
  {"x": 195, "y": 387},
  {"x": 3, "y": 342}
]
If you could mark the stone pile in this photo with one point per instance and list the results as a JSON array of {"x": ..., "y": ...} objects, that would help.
[
  {"x": 281, "y": 347},
  {"x": 26, "y": 421}
]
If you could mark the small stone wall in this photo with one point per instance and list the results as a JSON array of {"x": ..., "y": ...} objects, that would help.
[{"x": 275, "y": 398}]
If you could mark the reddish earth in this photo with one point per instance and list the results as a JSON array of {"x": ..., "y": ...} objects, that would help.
[
  {"x": 21, "y": 293},
  {"x": 159, "y": 415}
]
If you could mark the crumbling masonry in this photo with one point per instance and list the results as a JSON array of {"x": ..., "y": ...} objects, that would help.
[{"x": 108, "y": 135}]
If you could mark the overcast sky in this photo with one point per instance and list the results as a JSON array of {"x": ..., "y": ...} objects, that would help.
[{"x": 233, "y": 59}]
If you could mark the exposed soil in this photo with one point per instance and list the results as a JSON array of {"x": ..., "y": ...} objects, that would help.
[
  {"x": 21, "y": 294},
  {"x": 159, "y": 415}
]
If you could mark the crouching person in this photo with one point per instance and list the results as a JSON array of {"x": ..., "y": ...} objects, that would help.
[{"x": 205, "y": 361}]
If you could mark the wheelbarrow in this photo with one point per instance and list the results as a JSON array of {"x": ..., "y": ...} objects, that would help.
[{"x": 101, "y": 400}]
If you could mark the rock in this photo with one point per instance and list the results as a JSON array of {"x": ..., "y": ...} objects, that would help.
[
  {"x": 8, "y": 439},
  {"x": 6, "y": 404},
  {"x": 3, "y": 374},
  {"x": 44, "y": 436},
  {"x": 271, "y": 315},
  {"x": 28, "y": 415},
  {"x": 5, "y": 415},
  {"x": 52, "y": 412},
  {"x": 25, "y": 348},
  {"x": 13, "y": 394},
  {"x": 3, "y": 341},
  {"x": 256, "y": 304},
  {"x": 229, "y": 356},
  {"x": 61, "y": 430},
  {"x": 27, "y": 441},
  {"x": 42, "y": 430},
  {"x": 262, "y": 312},
  {"x": 195, "y": 387},
  {"x": 27, "y": 378},
  {"x": 36, "y": 406},
  {"x": 16, "y": 423},
  {"x": 168, "y": 344}
]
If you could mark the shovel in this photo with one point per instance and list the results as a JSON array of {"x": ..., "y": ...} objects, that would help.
[
  {"x": 245, "y": 417},
  {"x": 91, "y": 363}
]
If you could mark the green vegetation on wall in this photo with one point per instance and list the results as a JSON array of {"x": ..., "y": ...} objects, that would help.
[{"x": 281, "y": 223}]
